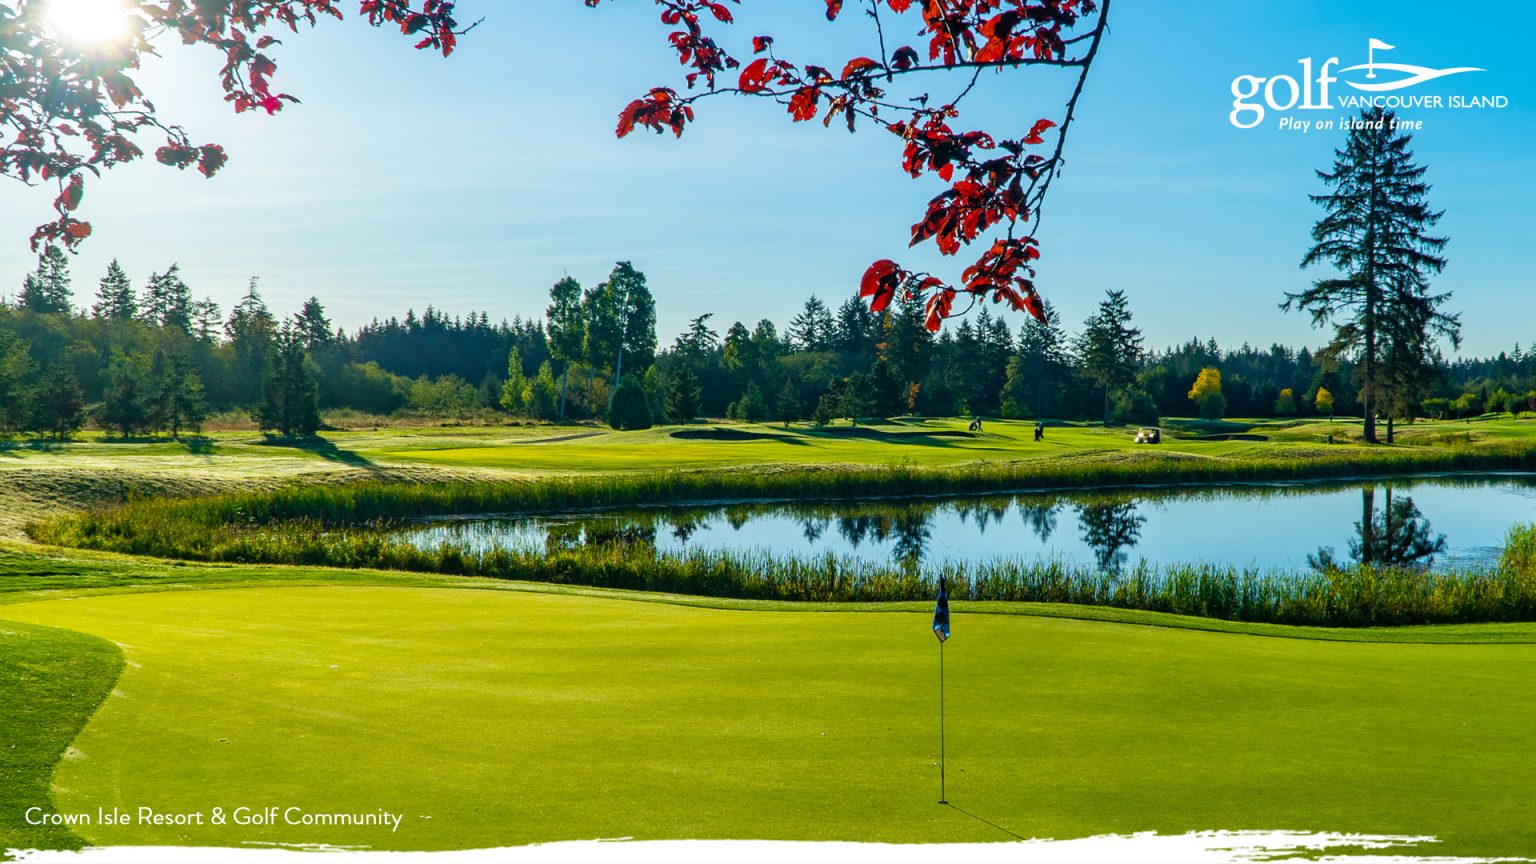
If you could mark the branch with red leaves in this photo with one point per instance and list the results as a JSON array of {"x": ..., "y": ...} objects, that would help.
[
  {"x": 996, "y": 186},
  {"x": 68, "y": 111}
]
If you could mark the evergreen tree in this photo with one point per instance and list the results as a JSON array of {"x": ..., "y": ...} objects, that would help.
[
  {"x": 787, "y": 406},
  {"x": 314, "y": 328},
  {"x": 698, "y": 341},
  {"x": 57, "y": 403},
  {"x": 16, "y": 373},
  {"x": 631, "y": 409},
  {"x": 1109, "y": 348},
  {"x": 857, "y": 331},
  {"x": 812, "y": 329},
  {"x": 567, "y": 329},
  {"x": 1038, "y": 374},
  {"x": 1374, "y": 234},
  {"x": 168, "y": 301},
  {"x": 290, "y": 402},
  {"x": 251, "y": 330},
  {"x": 47, "y": 289},
  {"x": 114, "y": 296},
  {"x": 206, "y": 320},
  {"x": 906, "y": 343},
  {"x": 174, "y": 393},
  {"x": 854, "y": 397},
  {"x": 751, "y": 407},
  {"x": 125, "y": 403},
  {"x": 886, "y": 394},
  {"x": 684, "y": 397}
]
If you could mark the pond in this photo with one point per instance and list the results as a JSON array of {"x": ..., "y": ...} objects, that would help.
[{"x": 1440, "y": 522}]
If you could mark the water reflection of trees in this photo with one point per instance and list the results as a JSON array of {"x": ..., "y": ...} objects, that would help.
[
  {"x": 1040, "y": 517},
  {"x": 1111, "y": 526},
  {"x": 1397, "y": 536},
  {"x": 1110, "y": 529}
]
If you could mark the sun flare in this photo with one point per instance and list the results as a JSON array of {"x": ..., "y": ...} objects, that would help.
[{"x": 89, "y": 23}]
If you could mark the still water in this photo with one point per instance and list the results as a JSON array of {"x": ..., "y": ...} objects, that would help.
[{"x": 1437, "y": 522}]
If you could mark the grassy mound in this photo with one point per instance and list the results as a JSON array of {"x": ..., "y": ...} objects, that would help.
[{"x": 52, "y": 680}]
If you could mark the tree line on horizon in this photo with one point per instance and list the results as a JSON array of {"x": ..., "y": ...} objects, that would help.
[{"x": 141, "y": 362}]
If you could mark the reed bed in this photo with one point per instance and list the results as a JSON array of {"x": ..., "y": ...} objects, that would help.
[
  {"x": 352, "y": 526},
  {"x": 352, "y": 504}
]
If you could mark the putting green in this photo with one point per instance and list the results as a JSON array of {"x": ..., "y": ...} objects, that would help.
[{"x": 491, "y": 718}]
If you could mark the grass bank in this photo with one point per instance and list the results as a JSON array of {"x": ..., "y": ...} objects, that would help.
[{"x": 63, "y": 675}]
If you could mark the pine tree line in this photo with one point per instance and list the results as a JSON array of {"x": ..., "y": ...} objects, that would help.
[{"x": 157, "y": 361}]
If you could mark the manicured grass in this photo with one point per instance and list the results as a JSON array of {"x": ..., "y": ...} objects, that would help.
[
  {"x": 513, "y": 717},
  {"x": 50, "y": 682}
]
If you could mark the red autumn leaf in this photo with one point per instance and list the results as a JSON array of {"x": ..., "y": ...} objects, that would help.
[
  {"x": 1033, "y": 306},
  {"x": 802, "y": 106},
  {"x": 879, "y": 283},
  {"x": 858, "y": 65},
  {"x": 211, "y": 158},
  {"x": 1035, "y": 131},
  {"x": 939, "y": 306},
  {"x": 69, "y": 197},
  {"x": 755, "y": 76},
  {"x": 761, "y": 43},
  {"x": 834, "y": 7}
]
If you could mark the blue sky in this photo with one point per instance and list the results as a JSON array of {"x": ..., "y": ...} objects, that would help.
[{"x": 405, "y": 180}]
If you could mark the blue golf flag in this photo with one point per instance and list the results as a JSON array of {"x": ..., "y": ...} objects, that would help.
[{"x": 941, "y": 612}]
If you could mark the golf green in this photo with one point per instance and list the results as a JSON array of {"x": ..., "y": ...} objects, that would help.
[{"x": 492, "y": 718}]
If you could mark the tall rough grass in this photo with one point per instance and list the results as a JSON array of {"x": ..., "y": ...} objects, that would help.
[
  {"x": 371, "y": 501},
  {"x": 343, "y": 526}
]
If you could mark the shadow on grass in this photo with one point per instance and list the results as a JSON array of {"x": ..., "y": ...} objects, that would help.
[
  {"x": 727, "y": 434},
  {"x": 984, "y": 821},
  {"x": 9, "y": 446},
  {"x": 198, "y": 443},
  {"x": 320, "y": 447}
]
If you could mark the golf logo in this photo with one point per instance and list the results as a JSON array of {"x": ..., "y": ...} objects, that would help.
[{"x": 1254, "y": 96}]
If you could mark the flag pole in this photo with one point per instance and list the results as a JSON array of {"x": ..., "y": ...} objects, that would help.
[{"x": 943, "y": 798}]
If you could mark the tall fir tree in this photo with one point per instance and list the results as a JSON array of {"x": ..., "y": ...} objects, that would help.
[
  {"x": 47, "y": 288},
  {"x": 856, "y": 330},
  {"x": 251, "y": 330},
  {"x": 125, "y": 402},
  {"x": 1109, "y": 348},
  {"x": 175, "y": 393},
  {"x": 168, "y": 300},
  {"x": 57, "y": 403},
  {"x": 684, "y": 399},
  {"x": 114, "y": 296},
  {"x": 1039, "y": 373},
  {"x": 290, "y": 403},
  {"x": 813, "y": 329},
  {"x": 314, "y": 328},
  {"x": 1374, "y": 234}
]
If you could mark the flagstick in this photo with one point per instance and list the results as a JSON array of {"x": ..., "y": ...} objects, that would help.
[{"x": 942, "y": 797}]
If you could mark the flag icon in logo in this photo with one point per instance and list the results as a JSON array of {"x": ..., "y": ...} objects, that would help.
[{"x": 941, "y": 612}]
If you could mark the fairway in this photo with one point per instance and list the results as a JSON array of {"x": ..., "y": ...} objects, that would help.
[{"x": 492, "y": 718}]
